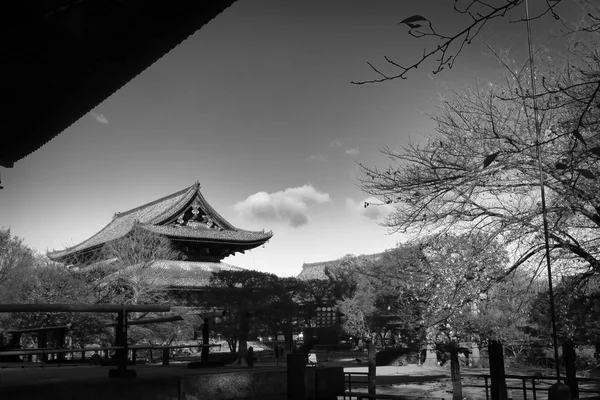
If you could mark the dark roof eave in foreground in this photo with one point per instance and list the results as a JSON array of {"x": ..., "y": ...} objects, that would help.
[{"x": 72, "y": 67}]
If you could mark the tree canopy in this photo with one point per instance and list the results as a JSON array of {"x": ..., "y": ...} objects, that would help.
[
  {"x": 254, "y": 299},
  {"x": 428, "y": 283}
]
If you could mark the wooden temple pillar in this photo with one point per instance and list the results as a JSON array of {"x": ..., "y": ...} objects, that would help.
[
  {"x": 42, "y": 342},
  {"x": 15, "y": 341},
  {"x": 61, "y": 333},
  {"x": 570, "y": 357},
  {"x": 204, "y": 362}
]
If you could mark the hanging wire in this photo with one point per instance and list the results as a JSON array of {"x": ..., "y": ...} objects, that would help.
[{"x": 538, "y": 135}]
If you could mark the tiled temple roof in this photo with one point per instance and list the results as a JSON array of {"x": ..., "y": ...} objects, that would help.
[
  {"x": 209, "y": 235},
  {"x": 161, "y": 216},
  {"x": 316, "y": 270},
  {"x": 181, "y": 274}
]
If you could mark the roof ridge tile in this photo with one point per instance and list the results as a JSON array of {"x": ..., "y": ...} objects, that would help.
[{"x": 124, "y": 213}]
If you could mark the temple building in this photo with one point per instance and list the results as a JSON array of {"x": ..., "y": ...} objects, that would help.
[
  {"x": 201, "y": 236},
  {"x": 325, "y": 323},
  {"x": 316, "y": 270}
]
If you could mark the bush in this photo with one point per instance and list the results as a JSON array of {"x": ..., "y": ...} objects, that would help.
[
  {"x": 396, "y": 357},
  {"x": 543, "y": 357},
  {"x": 585, "y": 358}
]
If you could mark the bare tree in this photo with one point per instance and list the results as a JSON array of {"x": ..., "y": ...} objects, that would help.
[
  {"x": 479, "y": 171},
  {"x": 446, "y": 47},
  {"x": 127, "y": 270}
]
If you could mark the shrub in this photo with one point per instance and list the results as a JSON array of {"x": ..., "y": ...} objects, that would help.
[{"x": 396, "y": 357}]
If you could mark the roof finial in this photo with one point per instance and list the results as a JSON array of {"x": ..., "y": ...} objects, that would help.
[{"x": 197, "y": 184}]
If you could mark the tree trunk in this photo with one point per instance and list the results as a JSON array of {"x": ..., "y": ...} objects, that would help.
[
  {"x": 288, "y": 333},
  {"x": 455, "y": 372},
  {"x": 232, "y": 342},
  {"x": 243, "y": 339}
]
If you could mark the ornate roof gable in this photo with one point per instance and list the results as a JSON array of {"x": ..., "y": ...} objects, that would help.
[{"x": 194, "y": 212}]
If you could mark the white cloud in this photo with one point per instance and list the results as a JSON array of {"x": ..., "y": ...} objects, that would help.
[
  {"x": 353, "y": 152},
  {"x": 336, "y": 143},
  {"x": 374, "y": 209},
  {"x": 316, "y": 157},
  {"x": 99, "y": 117},
  {"x": 289, "y": 205}
]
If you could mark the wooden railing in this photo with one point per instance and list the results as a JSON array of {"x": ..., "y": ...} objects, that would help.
[
  {"x": 528, "y": 384},
  {"x": 166, "y": 351},
  {"x": 533, "y": 386},
  {"x": 349, "y": 394},
  {"x": 348, "y": 381}
]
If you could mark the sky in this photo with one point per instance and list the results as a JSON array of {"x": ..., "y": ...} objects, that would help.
[{"x": 257, "y": 106}]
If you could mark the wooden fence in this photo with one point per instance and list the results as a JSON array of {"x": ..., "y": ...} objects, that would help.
[{"x": 528, "y": 386}]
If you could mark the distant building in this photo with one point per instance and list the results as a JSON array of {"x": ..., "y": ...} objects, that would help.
[
  {"x": 324, "y": 321},
  {"x": 316, "y": 270},
  {"x": 200, "y": 234}
]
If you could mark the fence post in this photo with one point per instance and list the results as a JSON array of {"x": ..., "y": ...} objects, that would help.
[
  {"x": 558, "y": 391},
  {"x": 455, "y": 372},
  {"x": 349, "y": 384},
  {"x": 121, "y": 354},
  {"x": 120, "y": 340},
  {"x": 497, "y": 375},
  {"x": 372, "y": 369},
  {"x": 296, "y": 387},
  {"x": 165, "y": 356},
  {"x": 569, "y": 357}
]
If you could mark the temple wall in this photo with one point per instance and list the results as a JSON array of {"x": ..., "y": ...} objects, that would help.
[
  {"x": 172, "y": 384},
  {"x": 251, "y": 384}
]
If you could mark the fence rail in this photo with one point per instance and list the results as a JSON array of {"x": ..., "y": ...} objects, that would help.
[
  {"x": 360, "y": 396},
  {"x": 349, "y": 394},
  {"x": 166, "y": 354},
  {"x": 533, "y": 388}
]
